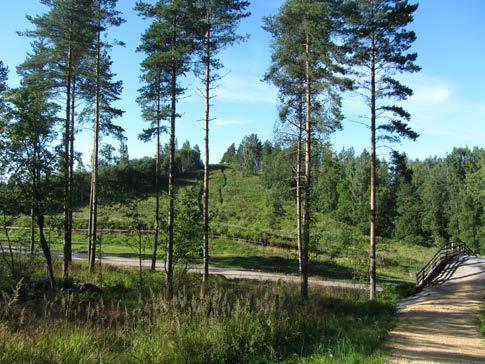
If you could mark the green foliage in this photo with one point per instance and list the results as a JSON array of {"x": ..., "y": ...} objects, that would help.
[
  {"x": 379, "y": 45},
  {"x": 188, "y": 225},
  {"x": 67, "y": 31},
  {"x": 104, "y": 16},
  {"x": 249, "y": 153},
  {"x": 107, "y": 155},
  {"x": 229, "y": 155},
  {"x": 3, "y": 90},
  {"x": 216, "y": 29},
  {"x": 187, "y": 159},
  {"x": 168, "y": 44}
]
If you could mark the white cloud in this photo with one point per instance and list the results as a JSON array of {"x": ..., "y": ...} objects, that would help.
[
  {"x": 218, "y": 123},
  {"x": 428, "y": 90},
  {"x": 248, "y": 89},
  {"x": 438, "y": 110},
  {"x": 439, "y": 113}
]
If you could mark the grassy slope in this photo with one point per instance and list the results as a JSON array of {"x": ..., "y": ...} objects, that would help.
[{"x": 339, "y": 251}]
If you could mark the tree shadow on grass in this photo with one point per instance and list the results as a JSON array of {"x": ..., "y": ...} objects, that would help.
[{"x": 275, "y": 264}]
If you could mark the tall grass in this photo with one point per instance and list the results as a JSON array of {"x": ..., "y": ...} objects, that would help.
[{"x": 235, "y": 321}]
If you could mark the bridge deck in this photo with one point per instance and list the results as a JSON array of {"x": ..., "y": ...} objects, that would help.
[{"x": 440, "y": 325}]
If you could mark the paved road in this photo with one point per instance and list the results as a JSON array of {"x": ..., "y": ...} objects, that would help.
[{"x": 440, "y": 325}]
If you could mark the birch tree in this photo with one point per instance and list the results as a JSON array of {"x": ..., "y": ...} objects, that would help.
[{"x": 31, "y": 134}]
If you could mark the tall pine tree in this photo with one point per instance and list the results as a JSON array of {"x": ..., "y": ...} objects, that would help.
[
  {"x": 67, "y": 30},
  {"x": 379, "y": 45},
  {"x": 100, "y": 90},
  {"x": 217, "y": 30},
  {"x": 303, "y": 34},
  {"x": 170, "y": 40}
]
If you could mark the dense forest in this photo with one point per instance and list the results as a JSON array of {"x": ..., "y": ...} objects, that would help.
[
  {"x": 340, "y": 234},
  {"x": 430, "y": 202}
]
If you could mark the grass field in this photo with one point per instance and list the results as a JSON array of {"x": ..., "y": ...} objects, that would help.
[{"x": 129, "y": 320}]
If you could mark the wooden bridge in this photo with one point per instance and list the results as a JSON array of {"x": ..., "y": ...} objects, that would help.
[{"x": 446, "y": 253}]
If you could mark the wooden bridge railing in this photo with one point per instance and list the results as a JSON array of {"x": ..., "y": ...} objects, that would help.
[{"x": 439, "y": 261}]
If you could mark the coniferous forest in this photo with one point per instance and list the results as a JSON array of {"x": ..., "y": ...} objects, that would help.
[{"x": 286, "y": 250}]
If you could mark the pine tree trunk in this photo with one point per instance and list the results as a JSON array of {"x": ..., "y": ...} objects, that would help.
[
  {"x": 206, "y": 161},
  {"x": 71, "y": 166},
  {"x": 306, "y": 197},
  {"x": 373, "y": 179},
  {"x": 66, "y": 159},
  {"x": 171, "y": 197},
  {"x": 171, "y": 160},
  {"x": 94, "y": 225},
  {"x": 298, "y": 182},
  {"x": 90, "y": 222},
  {"x": 157, "y": 184}
]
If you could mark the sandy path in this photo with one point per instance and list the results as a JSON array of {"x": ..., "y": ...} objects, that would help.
[{"x": 440, "y": 325}]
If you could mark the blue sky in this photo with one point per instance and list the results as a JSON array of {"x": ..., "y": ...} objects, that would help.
[{"x": 448, "y": 107}]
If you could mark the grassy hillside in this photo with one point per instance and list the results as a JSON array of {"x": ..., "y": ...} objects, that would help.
[{"x": 242, "y": 208}]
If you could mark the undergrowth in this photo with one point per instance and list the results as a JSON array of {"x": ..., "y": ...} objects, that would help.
[{"x": 129, "y": 320}]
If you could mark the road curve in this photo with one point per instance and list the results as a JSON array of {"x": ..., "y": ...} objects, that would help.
[{"x": 440, "y": 325}]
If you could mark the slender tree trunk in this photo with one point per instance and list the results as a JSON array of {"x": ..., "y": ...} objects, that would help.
[
  {"x": 39, "y": 213},
  {"x": 45, "y": 249},
  {"x": 157, "y": 183},
  {"x": 94, "y": 225},
  {"x": 13, "y": 270},
  {"x": 171, "y": 197},
  {"x": 32, "y": 227},
  {"x": 206, "y": 161},
  {"x": 90, "y": 222},
  {"x": 71, "y": 165},
  {"x": 373, "y": 177},
  {"x": 298, "y": 182},
  {"x": 140, "y": 259},
  {"x": 171, "y": 159},
  {"x": 308, "y": 181},
  {"x": 67, "y": 193}
]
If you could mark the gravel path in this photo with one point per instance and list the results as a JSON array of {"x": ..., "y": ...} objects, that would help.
[
  {"x": 440, "y": 325},
  {"x": 231, "y": 273}
]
